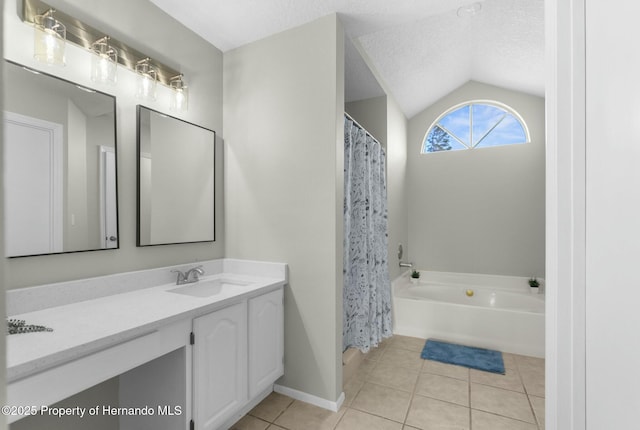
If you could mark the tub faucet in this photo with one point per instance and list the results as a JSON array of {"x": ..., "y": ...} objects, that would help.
[
  {"x": 406, "y": 264},
  {"x": 190, "y": 276}
]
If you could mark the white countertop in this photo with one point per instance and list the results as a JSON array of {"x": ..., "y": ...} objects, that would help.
[{"x": 84, "y": 327}]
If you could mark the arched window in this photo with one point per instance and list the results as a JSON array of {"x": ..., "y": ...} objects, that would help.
[{"x": 475, "y": 124}]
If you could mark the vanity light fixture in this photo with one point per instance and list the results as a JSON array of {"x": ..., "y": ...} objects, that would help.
[
  {"x": 51, "y": 33},
  {"x": 104, "y": 63},
  {"x": 49, "y": 39},
  {"x": 147, "y": 78},
  {"x": 180, "y": 97}
]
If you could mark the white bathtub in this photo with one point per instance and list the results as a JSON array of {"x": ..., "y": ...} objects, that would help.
[{"x": 501, "y": 313}]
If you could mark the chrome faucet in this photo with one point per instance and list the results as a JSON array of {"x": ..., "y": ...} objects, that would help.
[
  {"x": 190, "y": 276},
  {"x": 405, "y": 264}
]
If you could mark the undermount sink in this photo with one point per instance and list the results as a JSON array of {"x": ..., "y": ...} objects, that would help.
[{"x": 209, "y": 288}]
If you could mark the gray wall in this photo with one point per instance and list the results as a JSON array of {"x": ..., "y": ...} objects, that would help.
[
  {"x": 397, "y": 126},
  {"x": 283, "y": 120},
  {"x": 478, "y": 211},
  {"x": 164, "y": 39},
  {"x": 372, "y": 115}
]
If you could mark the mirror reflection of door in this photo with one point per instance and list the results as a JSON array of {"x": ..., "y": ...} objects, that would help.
[
  {"x": 108, "y": 203},
  {"x": 33, "y": 210},
  {"x": 59, "y": 165}
]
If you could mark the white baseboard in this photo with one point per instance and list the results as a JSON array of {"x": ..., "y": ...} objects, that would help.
[{"x": 310, "y": 398}]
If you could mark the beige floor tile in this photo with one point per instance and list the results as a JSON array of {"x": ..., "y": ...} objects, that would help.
[
  {"x": 538, "y": 410},
  {"x": 509, "y": 381},
  {"x": 486, "y": 421},
  {"x": 385, "y": 342},
  {"x": 502, "y": 402},
  {"x": 533, "y": 380},
  {"x": 402, "y": 358},
  {"x": 275, "y": 427},
  {"x": 443, "y": 388},
  {"x": 250, "y": 423},
  {"x": 375, "y": 353},
  {"x": 509, "y": 360},
  {"x": 365, "y": 368},
  {"x": 382, "y": 401},
  {"x": 405, "y": 342},
  {"x": 303, "y": 416},
  {"x": 356, "y": 420},
  {"x": 526, "y": 362},
  {"x": 394, "y": 377},
  {"x": 351, "y": 389},
  {"x": 431, "y": 414},
  {"x": 271, "y": 407},
  {"x": 445, "y": 369}
]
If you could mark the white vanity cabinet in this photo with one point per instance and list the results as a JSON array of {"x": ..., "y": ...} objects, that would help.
[
  {"x": 219, "y": 365},
  {"x": 266, "y": 341},
  {"x": 188, "y": 360},
  {"x": 237, "y": 356}
]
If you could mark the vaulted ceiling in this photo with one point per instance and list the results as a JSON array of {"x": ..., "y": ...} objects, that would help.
[{"x": 421, "y": 49}]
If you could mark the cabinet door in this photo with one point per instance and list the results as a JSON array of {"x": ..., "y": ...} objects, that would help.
[
  {"x": 219, "y": 365},
  {"x": 266, "y": 341}
]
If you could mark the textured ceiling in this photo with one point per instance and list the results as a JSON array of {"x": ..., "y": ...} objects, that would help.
[{"x": 421, "y": 49}]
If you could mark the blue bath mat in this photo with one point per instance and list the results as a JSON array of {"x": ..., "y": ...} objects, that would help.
[{"x": 468, "y": 356}]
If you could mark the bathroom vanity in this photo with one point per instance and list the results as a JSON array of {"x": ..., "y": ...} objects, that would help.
[{"x": 198, "y": 355}]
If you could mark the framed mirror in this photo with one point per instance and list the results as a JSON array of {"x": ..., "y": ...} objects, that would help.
[
  {"x": 59, "y": 165},
  {"x": 176, "y": 180}
]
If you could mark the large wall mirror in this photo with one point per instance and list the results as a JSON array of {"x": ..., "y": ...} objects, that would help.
[
  {"x": 59, "y": 165},
  {"x": 175, "y": 180}
]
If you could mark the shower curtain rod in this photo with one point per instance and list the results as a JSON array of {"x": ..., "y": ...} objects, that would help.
[{"x": 365, "y": 130}]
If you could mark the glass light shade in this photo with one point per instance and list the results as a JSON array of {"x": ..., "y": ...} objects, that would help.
[
  {"x": 49, "y": 39},
  {"x": 147, "y": 80},
  {"x": 104, "y": 64},
  {"x": 180, "y": 97}
]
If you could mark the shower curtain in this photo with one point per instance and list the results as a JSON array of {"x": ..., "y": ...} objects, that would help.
[{"x": 367, "y": 288}]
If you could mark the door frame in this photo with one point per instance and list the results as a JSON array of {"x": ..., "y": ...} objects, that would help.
[
  {"x": 104, "y": 174},
  {"x": 565, "y": 101}
]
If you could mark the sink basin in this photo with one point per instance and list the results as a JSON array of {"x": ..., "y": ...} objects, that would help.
[{"x": 209, "y": 288}]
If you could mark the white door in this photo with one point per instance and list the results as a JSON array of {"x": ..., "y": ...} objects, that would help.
[
  {"x": 219, "y": 366},
  {"x": 266, "y": 341},
  {"x": 108, "y": 202},
  {"x": 33, "y": 185}
]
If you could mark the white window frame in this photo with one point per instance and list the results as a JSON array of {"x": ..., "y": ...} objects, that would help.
[{"x": 508, "y": 110}]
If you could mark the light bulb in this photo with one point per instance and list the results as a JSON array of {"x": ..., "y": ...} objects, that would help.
[
  {"x": 104, "y": 63},
  {"x": 49, "y": 39},
  {"x": 180, "y": 97}
]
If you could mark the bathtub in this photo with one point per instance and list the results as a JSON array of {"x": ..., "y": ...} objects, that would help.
[{"x": 488, "y": 311}]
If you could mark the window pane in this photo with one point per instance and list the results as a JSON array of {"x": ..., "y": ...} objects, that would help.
[
  {"x": 457, "y": 123},
  {"x": 508, "y": 132},
  {"x": 440, "y": 140},
  {"x": 484, "y": 117}
]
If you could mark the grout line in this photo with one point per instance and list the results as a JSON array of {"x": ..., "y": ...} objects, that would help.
[
  {"x": 504, "y": 416},
  {"x": 413, "y": 394},
  {"x": 283, "y": 411},
  {"x": 533, "y": 411},
  {"x": 469, "y": 388}
]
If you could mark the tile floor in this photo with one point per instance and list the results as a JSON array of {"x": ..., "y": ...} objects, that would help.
[{"x": 394, "y": 389}]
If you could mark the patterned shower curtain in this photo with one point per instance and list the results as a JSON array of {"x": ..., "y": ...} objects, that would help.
[{"x": 367, "y": 288}]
